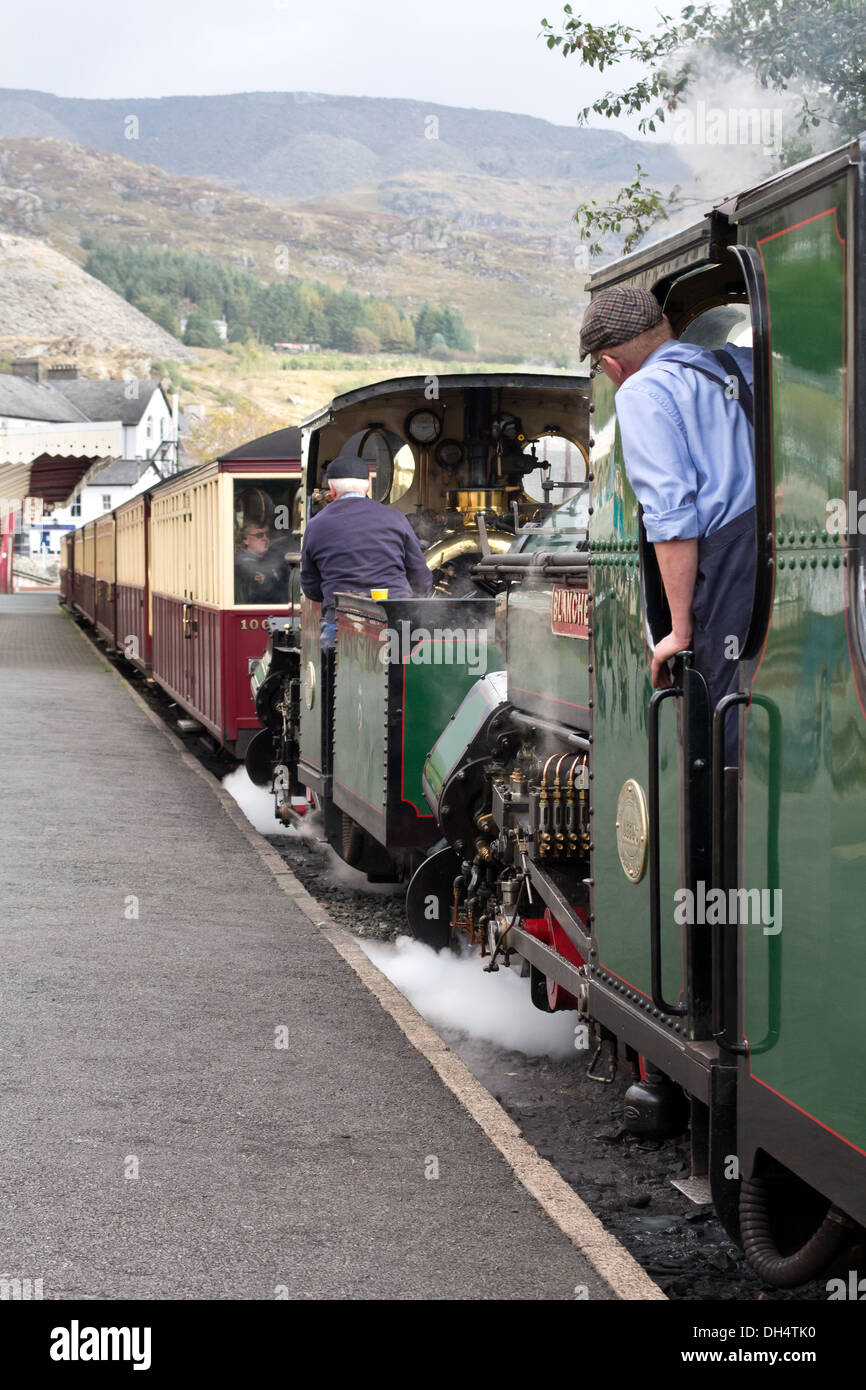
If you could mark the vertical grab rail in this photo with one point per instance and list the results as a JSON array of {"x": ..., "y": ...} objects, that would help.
[
  {"x": 725, "y": 952},
  {"x": 658, "y": 696},
  {"x": 721, "y": 953}
]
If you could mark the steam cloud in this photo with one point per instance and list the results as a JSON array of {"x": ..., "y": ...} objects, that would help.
[
  {"x": 455, "y": 992},
  {"x": 257, "y": 803}
]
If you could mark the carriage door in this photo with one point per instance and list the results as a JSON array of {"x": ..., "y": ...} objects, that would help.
[{"x": 652, "y": 760}]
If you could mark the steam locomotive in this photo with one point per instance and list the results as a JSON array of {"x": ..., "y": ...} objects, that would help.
[{"x": 704, "y": 920}]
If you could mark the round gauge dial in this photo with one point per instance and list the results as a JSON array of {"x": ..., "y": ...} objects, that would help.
[
  {"x": 449, "y": 453},
  {"x": 424, "y": 426}
]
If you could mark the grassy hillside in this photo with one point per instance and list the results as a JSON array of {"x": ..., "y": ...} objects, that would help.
[{"x": 500, "y": 250}]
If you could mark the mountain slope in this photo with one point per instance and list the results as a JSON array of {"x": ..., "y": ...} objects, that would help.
[
  {"x": 48, "y": 300},
  {"x": 502, "y": 250},
  {"x": 307, "y": 145}
]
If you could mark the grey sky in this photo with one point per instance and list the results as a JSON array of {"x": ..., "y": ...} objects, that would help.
[{"x": 484, "y": 53}]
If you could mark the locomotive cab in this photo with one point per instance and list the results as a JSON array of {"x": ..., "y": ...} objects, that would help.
[{"x": 469, "y": 460}]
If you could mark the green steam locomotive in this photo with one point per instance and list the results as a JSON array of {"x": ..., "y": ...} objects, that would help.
[{"x": 703, "y": 920}]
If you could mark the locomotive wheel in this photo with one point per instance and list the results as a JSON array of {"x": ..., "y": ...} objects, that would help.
[
  {"x": 259, "y": 758},
  {"x": 429, "y": 898},
  {"x": 538, "y": 990}
]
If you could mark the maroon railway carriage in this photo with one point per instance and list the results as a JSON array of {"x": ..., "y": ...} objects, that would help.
[
  {"x": 84, "y": 574},
  {"x": 224, "y": 550},
  {"x": 67, "y": 567},
  {"x": 132, "y": 591}
]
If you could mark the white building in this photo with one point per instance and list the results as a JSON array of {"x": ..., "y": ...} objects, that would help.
[
  {"x": 142, "y": 421},
  {"x": 106, "y": 489}
]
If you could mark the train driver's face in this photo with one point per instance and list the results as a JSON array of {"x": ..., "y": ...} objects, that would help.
[{"x": 258, "y": 539}]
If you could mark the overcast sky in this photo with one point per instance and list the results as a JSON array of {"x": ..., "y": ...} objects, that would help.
[{"x": 483, "y": 53}]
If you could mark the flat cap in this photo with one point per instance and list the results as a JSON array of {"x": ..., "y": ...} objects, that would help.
[
  {"x": 616, "y": 316},
  {"x": 347, "y": 467}
]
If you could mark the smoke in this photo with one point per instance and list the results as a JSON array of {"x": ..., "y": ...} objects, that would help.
[
  {"x": 257, "y": 803},
  {"x": 730, "y": 132},
  {"x": 455, "y": 992}
]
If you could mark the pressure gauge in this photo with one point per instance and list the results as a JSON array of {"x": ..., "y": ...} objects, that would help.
[
  {"x": 449, "y": 453},
  {"x": 424, "y": 426}
]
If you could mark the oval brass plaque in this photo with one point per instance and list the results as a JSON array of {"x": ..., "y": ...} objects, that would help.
[
  {"x": 631, "y": 830},
  {"x": 310, "y": 685}
]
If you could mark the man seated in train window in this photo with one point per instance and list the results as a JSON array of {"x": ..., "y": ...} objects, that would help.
[
  {"x": 685, "y": 415},
  {"x": 355, "y": 545},
  {"x": 261, "y": 570}
]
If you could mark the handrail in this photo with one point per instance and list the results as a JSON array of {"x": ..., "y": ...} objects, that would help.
[
  {"x": 658, "y": 696},
  {"x": 720, "y": 947}
]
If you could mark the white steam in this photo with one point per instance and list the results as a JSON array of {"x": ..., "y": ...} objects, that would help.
[
  {"x": 257, "y": 803},
  {"x": 456, "y": 992}
]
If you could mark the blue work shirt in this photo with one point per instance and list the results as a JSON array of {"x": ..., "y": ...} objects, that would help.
[
  {"x": 687, "y": 447},
  {"x": 354, "y": 545}
]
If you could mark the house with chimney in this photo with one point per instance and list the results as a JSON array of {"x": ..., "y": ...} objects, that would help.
[
  {"x": 138, "y": 412},
  {"x": 83, "y": 445}
]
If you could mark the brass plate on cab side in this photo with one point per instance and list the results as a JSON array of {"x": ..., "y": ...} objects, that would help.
[
  {"x": 632, "y": 825},
  {"x": 310, "y": 685}
]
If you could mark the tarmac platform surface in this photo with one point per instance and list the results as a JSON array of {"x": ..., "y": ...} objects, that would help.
[{"x": 154, "y": 1142}]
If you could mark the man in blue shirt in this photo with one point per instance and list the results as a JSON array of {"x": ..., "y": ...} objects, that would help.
[
  {"x": 355, "y": 544},
  {"x": 685, "y": 420}
]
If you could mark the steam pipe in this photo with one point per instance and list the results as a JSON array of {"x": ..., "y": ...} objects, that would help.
[{"x": 532, "y": 721}]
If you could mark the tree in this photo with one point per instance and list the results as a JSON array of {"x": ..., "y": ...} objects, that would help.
[
  {"x": 365, "y": 340},
  {"x": 815, "y": 48},
  {"x": 160, "y": 310},
  {"x": 227, "y": 428},
  {"x": 200, "y": 331}
]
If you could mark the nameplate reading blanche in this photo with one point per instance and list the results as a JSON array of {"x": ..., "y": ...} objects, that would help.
[{"x": 569, "y": 611}]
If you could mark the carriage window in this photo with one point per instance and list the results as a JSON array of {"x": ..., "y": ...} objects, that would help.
[
  {"x": 561, "y": 461},
  {"x": 267, "y": 538}
]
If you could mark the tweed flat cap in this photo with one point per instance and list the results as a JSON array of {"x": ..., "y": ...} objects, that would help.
[
  {"x": 616, "y": 316},
  {"x": 347, "y": 467}
]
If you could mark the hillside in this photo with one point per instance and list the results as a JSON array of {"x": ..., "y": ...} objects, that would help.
[
  {"x": 305, "y": 145},
  {"x": 47, "y": 301},
  {"x": 502, "y": 250}
]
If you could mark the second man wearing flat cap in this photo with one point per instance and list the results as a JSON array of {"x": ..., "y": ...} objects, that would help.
[{"x": 355, "y": 544}]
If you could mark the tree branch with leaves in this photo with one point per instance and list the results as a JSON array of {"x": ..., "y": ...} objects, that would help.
[{"x": 814, "y": 48}]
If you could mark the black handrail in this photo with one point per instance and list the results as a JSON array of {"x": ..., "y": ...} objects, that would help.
[
  {"x": 720, "y": 956},
  {"x": 726, "y": 947},
  {"x": 671, "y": 692}
]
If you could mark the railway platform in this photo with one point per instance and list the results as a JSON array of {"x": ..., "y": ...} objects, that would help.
[{"x": 201, "y": 1098}]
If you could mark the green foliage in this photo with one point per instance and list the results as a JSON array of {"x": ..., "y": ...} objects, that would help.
[
  {"x": 165, "y": 283},
  {"x": 171, "y": 370},
  {"x": 815, "y": 47},
  {"x": 200, "y": 331},
  {"x": 160, "y": 310},
  {"x": 818, "y": 47},
  {"x": 635, "y": 208},
  {"x": 365, "y": 340},
  {"x": 445, "y": 326}
]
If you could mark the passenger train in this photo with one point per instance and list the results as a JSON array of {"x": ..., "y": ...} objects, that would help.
[{"x": 551, "y": 809}]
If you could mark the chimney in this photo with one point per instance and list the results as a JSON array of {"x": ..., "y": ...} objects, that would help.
[
  {"x": 67, "y": 372},
  {"x": 30, "y": 367}
]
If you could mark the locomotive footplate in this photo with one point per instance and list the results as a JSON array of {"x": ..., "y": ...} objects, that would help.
[{"x": 687, "y": 1062}]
